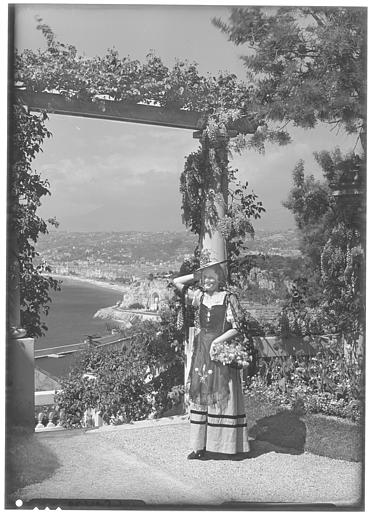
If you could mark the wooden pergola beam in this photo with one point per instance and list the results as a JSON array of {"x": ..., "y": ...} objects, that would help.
[{"x": 112, "y": 110}]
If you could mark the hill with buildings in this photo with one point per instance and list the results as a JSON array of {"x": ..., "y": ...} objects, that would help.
[{"x": 123, "y": 254}]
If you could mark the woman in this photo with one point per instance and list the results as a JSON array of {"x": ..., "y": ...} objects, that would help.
[{"x": 217, "y": 414}]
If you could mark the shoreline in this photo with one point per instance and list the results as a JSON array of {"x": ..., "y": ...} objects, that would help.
[{"x": 94, "y": 282}]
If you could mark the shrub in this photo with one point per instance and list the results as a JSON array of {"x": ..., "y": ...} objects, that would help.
[
  {"x": 327, "y": 383},
  {"x": 129, "y": 383}
]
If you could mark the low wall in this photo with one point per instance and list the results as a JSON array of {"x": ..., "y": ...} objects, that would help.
[{"x": 272, "y": 346}]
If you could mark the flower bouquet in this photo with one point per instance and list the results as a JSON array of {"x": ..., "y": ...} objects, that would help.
[{"x": 233, "y": 353}]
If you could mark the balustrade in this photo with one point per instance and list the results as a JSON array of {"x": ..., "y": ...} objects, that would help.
[{"x": 53, "y": 419}]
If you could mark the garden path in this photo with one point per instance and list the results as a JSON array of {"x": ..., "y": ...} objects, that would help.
[{"x": 147, "y": 461}]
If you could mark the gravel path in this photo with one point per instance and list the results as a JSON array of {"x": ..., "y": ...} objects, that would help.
[{"x": 148, "y": 462}]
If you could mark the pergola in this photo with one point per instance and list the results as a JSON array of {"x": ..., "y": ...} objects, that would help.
[{"x": 21, "y": 351}]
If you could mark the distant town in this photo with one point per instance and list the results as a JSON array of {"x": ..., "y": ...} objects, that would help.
[{"x": 123, "y": 256}]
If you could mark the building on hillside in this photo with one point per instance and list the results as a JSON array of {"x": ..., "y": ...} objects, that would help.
[{"x": 148, "y": 294}]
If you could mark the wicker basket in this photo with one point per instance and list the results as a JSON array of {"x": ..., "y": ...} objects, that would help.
[{"x": 233, "y": 353}]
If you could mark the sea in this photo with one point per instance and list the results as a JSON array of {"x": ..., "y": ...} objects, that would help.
[{"x": 71, "y": 313}]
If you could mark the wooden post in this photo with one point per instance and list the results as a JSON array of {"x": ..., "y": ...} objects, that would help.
[{"x": 212, "y": 242}]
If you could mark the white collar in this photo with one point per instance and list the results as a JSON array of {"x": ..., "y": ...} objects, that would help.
[{"x": 215, "y": 299}]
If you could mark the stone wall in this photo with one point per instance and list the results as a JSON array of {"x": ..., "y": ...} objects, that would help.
[{"x": 149, "y": 293}]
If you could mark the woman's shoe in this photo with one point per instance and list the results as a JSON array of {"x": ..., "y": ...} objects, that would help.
[{"x": 199, "y": 454}]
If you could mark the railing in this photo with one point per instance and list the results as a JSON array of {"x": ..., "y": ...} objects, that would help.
[
  {"x": 78, "y": 347},
  {"x": 55, "y": 420},
  {"x": 49, "y": 417}
]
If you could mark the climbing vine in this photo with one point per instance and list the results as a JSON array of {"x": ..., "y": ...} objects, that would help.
[
  {"x": 59, "y": 68},
  {"x": 26, "y": 188},
  {"x": 204, "y": 170}
]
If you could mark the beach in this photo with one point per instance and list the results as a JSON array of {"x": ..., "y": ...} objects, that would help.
[{"x": 94, "y": 282}]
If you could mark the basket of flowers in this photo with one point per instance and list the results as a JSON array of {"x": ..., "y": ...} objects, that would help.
[{"x": 234, "y": 353}]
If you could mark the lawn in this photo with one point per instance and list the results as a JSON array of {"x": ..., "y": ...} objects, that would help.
[{"x": 315, "y": 433}]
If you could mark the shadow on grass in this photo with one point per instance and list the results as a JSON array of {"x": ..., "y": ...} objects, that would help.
[
  {"x": 277, "y": 429},
  {"x": 284, "y": 432},
  {"x": 28, "y": 461}
]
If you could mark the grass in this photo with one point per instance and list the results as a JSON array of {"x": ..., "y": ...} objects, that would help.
[
  {"x": 334, "y": 438},
  {"x": 315, "y": 433},
  {"x": 28, "y": 461}
]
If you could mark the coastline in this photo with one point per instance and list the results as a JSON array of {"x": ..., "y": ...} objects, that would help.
[
  {"x": 94, "y": 282},
  {"x": 112, "y": 312}
]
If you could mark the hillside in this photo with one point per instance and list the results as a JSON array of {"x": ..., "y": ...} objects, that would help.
[{"x": 154, "y": 247}]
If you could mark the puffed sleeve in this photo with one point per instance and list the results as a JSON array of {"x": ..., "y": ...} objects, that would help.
[
  {"x": 241, "y": 319},
  {"x": 234, "y": 312}
]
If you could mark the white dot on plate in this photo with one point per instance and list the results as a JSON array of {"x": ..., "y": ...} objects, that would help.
[{"x": 19, "y": 503}]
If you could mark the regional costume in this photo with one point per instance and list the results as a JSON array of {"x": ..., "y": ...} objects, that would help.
[{"x": 217, "y": 413}]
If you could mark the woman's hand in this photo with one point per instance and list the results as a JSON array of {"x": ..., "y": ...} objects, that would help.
[{"x": 213, "y": 347}]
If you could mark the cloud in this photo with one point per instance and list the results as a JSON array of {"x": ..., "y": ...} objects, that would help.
[
  {"x": 154, "y": 204},
  {"x": 113, "y": 174}
]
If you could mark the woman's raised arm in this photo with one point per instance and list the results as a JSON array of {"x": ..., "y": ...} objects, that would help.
[{"x": 182, "y": 281}]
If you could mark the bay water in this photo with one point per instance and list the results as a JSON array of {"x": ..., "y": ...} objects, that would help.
[{"x": 71, "y": 313}]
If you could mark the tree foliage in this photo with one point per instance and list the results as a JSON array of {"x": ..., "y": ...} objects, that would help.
[
  {"x": 313, "y": 206},
  {"x": 26, "y": 188},
  {"x": 305, "y": 64},
  {"x": 331, "y": 241}
]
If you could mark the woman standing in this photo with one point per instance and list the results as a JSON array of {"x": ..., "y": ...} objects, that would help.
[{"x": 217, "y": 414}]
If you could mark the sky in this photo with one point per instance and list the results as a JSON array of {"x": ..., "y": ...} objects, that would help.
[{"x": 114, "y": 176}]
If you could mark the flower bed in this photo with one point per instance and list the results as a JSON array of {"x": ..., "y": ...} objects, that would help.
[{"x": 327, "y": 383}]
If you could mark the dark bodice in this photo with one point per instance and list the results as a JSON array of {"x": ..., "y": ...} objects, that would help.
[{"x": 213, "y": 319}]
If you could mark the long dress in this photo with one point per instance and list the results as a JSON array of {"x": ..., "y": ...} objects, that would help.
[{"x": 217, "y": 414}]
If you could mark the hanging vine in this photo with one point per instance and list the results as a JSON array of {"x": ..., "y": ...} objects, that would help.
[
  {"x": 203, "y": 169},
  {"x": 26, "y": 188}
]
